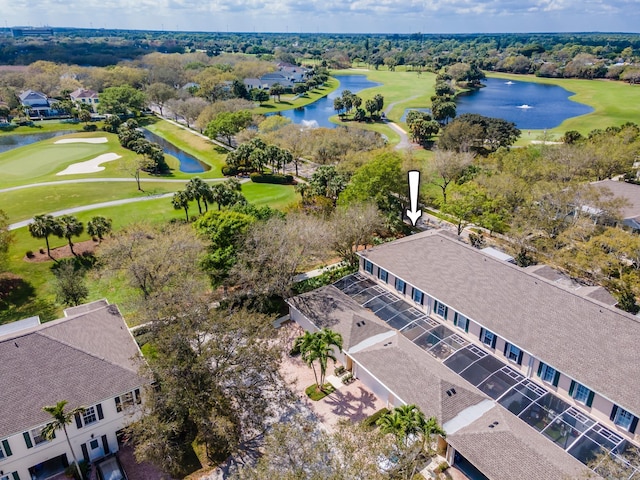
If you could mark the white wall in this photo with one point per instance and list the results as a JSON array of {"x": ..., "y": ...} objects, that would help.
[{"x": 23, "y": 458}]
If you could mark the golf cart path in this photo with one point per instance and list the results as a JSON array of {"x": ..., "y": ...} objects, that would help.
[
  {"x": 113, "y": 203},
  {"x": 98, "y": 180}
]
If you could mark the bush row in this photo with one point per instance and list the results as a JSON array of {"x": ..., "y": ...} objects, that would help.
[{"x": 271, "y": 178}]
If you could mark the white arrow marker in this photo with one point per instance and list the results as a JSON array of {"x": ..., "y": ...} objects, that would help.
[{"x": 414, "y": 186}]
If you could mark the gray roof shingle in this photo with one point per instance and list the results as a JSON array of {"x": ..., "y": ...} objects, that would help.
[
  {"x": 329, "y": 307},
  {"x": 83, "y": 359},
  {"x": 512, "y": 449},
  {"x": 593, "y": 343}
]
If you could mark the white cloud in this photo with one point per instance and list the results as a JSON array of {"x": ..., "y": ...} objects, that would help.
[{"x": 332, "y": 15}]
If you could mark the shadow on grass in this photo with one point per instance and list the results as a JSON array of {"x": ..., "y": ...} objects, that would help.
[{"x": 18, "y": 300}]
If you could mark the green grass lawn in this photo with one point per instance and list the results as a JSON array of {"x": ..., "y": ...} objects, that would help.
[
  {"x": 193, "y": 144},
  {"x": 401, "y": 89},
  {"x": 43, "y": 126},
  {"x": 116, "y": 290},
  {"x": 25, "y": 203},
  {"x": 289, "y": 102},
  {"x": 614, "y": 103}
]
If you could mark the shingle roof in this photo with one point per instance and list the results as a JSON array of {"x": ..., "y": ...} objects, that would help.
[
  {"x": 512, "y": 449},
  {"x": 416, "y": 377},
  {"x": 626, "y": 190},
  {"x": 82, "y": 93},
  {"x": 329, "y": 307},
  {"x": 83, "y": 359},
  {"x": 595, "y": 344}
]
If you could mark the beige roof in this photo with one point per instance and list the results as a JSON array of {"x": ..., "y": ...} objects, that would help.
[
  {"x": 329, "y": 307},
  {"x": 523, "y": 452},
  {"x": 626, "y": 190},
  {"x": 593, "y": 343},
  {"x": 82, "y": 93},
  {"x": 83, "y": 359}
]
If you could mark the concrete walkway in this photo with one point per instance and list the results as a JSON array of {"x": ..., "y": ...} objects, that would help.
[
  {"x": 404, "y": 143},
  {"x": 314, "y": 273}
]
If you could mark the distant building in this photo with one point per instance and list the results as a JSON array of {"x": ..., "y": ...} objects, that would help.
[
  {"x": 628, "y": 191},
  {"x": 87, "y": 97},
  {"x": 37, "y": 103},
  {"x": 88, "y": 358},
  {"x": 32, "y": 31}
]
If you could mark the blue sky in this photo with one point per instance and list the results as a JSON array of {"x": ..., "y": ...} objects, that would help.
[{"x": 358, "y": 16}]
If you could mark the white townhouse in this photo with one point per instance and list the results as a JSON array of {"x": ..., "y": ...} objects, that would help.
[
  {"x": 531, "y": 378},
  {"x": 87, "y": 97},
  {"x": 88, "y": 358}
]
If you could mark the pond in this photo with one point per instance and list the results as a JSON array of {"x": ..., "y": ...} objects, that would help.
[
  {"x": 188, "y": 163},
  {"x": 317, "y": 114},
  {"x": 529, "y": 105},
  {"x": 15, "y": 140}
]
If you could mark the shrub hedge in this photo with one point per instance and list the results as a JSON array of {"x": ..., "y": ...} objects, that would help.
[{"x": 271, "y": 178}]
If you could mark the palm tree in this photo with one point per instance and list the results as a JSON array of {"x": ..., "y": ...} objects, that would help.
[
  {"x": 181, "y": 200},
  {"x": 42, "y": 227},
  {"x": 198, "y": 190},
  {"x": 319, "y": 346},
  {"x": 69, "y": 226},
  {"x": 407, "y": 423},
  {"x": 99, "y": 226},
  {"x": 60, "y": 421}
]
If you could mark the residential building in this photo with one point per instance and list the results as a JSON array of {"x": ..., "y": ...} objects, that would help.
[
  {"x": 630, "y": 194},
  {"x": 88, "y": 358},
  {"x": 37, "y": 103},
  {"x": 531, "y": 377},
  {"x": 86, "y": 97},
  {"x": 32, "y": 31}
]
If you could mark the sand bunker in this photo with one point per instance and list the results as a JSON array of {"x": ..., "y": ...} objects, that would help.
[
  {"x": 90, "y": 166},
  {"x": 82, "y": 140}
]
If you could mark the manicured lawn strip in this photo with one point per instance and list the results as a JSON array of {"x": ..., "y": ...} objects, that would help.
[
  {"x": 314, "y": 394},
  {"x": 615, "y": 103},
  {"x": 40, "y": 161},
  {"x": 23, "y": 204},
  {"x": 116, "y": 290},
  {"x": 276, "y": 196},
  {"x": 193, "y": 144},
  {"x": 404, "y": 89},
  {"x": 43, "y": 126},
  {"x": 289, "y": 102}
]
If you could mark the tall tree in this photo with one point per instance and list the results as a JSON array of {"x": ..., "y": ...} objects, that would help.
[
  {"x": 6, "y": 238},
  {"x": 180, "y": 200},
  {"x": 69, "y": 284},
  {"x": 42, "y": 227},
  {"x": 153, "y": 259},
  {"x": 319, "y": 346},
  {"x": 216, "y": 378},
  {"x": 60, "y": 420},
  {"x": 160, "y": 94},
  {"x": 68, "y": 227},
  {"x": 352, "y": 226},
  {"x": 121, "y": 100},
  {"x": 447, "y": 167},
  {"x": 99, "y": 226}
]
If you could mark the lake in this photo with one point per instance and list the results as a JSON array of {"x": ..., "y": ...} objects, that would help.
[
  {"x": 15, "y": 140},
  {"x": 529, "y": 105},
  {"x": 188, "y": 163},
  {"x": 317, "y": 113}
]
